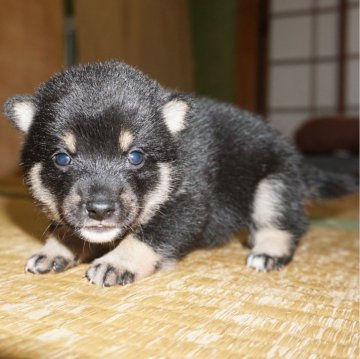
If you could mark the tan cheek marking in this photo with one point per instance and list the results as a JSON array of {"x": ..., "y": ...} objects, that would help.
[
  {"x": 158, "y": 196},
  {"x": 70, "y": 141},
  {"x": 71, "y": 201},
  {"x": 41, "y": 193},
  {"x": 126, "y": 138}
]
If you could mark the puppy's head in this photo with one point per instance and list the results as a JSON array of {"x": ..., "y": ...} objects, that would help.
[{"x": 100, "y": 149}]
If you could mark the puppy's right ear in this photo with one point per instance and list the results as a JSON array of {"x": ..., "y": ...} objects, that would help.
[{"x": 20, "y": 110}]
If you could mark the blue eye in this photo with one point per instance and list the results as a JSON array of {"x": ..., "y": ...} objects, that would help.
[
  {"x": 136, "y": 158},
  {"x": 62, "y": 159}
]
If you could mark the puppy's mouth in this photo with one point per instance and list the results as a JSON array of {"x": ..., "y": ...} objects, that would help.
[
  {"x": 100, "y": 233},
  {"x": 99, "y": 228}
]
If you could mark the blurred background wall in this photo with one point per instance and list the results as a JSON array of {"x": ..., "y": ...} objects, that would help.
[
  {"x": 31, "y": 49},
  {"x": 294, "y": 62}
]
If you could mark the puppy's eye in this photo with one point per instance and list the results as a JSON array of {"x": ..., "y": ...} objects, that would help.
[
  {"x": 62, "y": 159},
  {"x": 136, "y": 158}
]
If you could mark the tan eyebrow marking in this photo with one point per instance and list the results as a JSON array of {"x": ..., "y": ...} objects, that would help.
[
  {"x": 126, "y": 138},
  {"x": 70, "y": 141}
]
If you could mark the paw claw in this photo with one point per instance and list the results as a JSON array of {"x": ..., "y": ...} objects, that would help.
[
  {"x": 266, "y": 263},
  {"x": 126, "y": 278},
  {"x": 59, "y": 264},
  {"x": 107, "y": 275},
  {"x": 42, "y": 264}
]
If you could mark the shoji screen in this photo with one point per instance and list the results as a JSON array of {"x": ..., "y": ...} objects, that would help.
[{"x": 313, "y": 60}]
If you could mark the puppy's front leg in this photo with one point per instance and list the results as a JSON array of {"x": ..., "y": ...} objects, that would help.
[
  {"x": 54, "y": 256},
  {"x": 132, "y": 259},
  {"x": 161, "y": 241}
]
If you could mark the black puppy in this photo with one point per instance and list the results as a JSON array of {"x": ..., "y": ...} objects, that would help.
[{"x": 147, "y": 175}]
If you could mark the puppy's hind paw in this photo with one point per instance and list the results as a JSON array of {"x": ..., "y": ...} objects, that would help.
[
  {"x": 41, "y": 263},
  {"x": 266, "y": 263}
]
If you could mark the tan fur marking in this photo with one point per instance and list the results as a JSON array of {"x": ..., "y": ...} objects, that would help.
[
  {"x": 70, "y": 141},
  {"x": 159, "y": 195},
  {"x": 267, "y": 202},
  {"x": 24, "y": 113},
  {"x": 126, "y": 139},
  {"x": 53, "y": 247},
  {"x": 41, "y": 193},
  {"x": 273, "y": 242},
  {"x": 134, "y": 256},
  {"x": 174, "y": 113}
]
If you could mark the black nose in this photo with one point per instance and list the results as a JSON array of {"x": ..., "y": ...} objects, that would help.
[{"x": 100, "y": 210}]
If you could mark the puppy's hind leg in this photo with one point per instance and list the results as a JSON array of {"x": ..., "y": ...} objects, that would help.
[{"x": 278, "y": 221}]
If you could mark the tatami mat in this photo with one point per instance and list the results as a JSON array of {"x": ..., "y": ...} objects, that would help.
[{"x": 210, "y": 306}]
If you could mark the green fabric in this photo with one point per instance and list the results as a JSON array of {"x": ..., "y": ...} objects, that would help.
[
  {"x": 342, "y": 224},
  {"x": 214, "y": 28}
]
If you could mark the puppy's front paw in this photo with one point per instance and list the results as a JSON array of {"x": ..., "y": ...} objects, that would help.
[
  {"x": 42, "y": 263},
  {"x": 266, "y": 263},
  {"x": 106, "y": 274},
  {"x": 131, "y": 260}
]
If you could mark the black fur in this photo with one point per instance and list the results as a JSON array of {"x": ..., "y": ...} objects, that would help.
[
  {"x": 217, "y": 161},
  {"x": 323, "y": 184}
]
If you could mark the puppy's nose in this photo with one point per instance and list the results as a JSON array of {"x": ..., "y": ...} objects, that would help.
[{"x": 100, "y": 210}]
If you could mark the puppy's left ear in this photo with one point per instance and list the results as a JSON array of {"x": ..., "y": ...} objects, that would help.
[
  {"x": 175, "y": 112},
  {"x": 20, "y": 110}
]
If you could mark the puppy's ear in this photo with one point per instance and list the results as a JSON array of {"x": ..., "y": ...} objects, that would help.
[
  {"x": 175, "y": 112},
  {"x": 20, "y": 110}
]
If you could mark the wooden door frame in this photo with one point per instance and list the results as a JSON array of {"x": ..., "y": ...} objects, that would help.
[{"x": 252, "y": 58}]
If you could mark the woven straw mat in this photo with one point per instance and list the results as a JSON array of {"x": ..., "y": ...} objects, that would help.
[{"x": 210, "y": 306}]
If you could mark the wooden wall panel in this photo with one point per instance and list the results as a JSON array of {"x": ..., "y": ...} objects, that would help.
[
  {"x": 252, "y": 55},
  {"x": 248, "y": 53},
  {"x": 152, "y": 35},
  {"x": 31, "y": 43}
]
